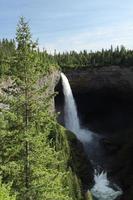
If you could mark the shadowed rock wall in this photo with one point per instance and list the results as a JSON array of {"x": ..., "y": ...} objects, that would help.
[{"x": 104, "y": 98}]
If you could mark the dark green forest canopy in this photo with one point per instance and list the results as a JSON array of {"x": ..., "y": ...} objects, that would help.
[
  {"x": 114, "y": 56},
  {"x": 106, "y": 57},
  {"x": 8, "y": 50}
]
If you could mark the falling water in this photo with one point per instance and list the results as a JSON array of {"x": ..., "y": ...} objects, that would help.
[
  {"x": 70, "y": 112},
  {"x": 71, "y": 116},
  {"x": 101, "y": 189}
]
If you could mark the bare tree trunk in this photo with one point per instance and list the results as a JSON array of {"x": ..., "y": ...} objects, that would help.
[{"x": 27, "y": 165}]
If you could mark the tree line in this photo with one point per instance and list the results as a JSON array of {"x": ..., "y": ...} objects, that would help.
[
  {"x": 8, "y": 50},
  {"x": 119, "y": 56},
  {"x": 106, "y": 57}
]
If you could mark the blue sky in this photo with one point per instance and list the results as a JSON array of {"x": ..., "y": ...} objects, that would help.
[{"x": 71, "y": 24}]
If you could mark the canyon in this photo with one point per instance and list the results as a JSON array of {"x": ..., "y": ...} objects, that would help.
[{"x": 104, "y": 102}]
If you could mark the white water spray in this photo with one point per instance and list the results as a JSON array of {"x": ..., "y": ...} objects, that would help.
[{"x": 101, "y": 190}]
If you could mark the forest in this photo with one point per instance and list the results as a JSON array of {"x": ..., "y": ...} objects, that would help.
[
  {"x": 35, "y": 155},
  {"x": 118, "y": 56}
]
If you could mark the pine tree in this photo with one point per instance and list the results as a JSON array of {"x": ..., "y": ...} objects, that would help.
[
  {"x": 23, "y": 98},
  {"x": 32, "y": 155}
]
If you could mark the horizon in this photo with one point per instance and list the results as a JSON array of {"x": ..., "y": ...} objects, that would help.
[{"x": 68, "y": 26}]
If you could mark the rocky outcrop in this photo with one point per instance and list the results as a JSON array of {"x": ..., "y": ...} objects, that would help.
[
  {"x": 79, "y": 161},
  {"x": 104, "y": 98},
  {"x": 80, "y": 169},
  {"x": 50, "y": 81},
  {"x": 113, "y": 77},
  {"x": 119, "y": 152}
]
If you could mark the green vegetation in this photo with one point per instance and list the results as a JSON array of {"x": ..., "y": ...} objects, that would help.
[
  {"x": 39, "y": 158},
  {"x": 5, "y": 192},
  {"x": 35, "y": 154},
  {"x": 68, "y": 60},
  {"x": 73, "y": 60},
  {"x": 9, "y": 50}
]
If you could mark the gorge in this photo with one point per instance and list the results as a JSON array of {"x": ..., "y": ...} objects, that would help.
[
  {"x": 115, "y": 106},
  {"x": 101, "y": 189}
]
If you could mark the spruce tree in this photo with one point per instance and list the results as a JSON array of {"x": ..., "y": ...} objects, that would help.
[
  {"x": 25, "y": 102},
  {"x": 33, "y": 155}
]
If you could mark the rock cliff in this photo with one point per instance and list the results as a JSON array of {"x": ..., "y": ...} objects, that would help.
[
  {"x": 84, "y": 80},
  {"x": 104, "y": 98}
]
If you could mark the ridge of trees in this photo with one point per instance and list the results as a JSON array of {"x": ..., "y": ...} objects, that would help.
[
  {"x": 119, "y": 56},
  {"x": 106, "y": 57}
]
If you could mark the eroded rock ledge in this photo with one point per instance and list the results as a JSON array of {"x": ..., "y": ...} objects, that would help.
[{"x": 84, "y": 80}]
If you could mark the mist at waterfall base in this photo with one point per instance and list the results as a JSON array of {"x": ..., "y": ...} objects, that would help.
[{"x": 101, "y": 189}]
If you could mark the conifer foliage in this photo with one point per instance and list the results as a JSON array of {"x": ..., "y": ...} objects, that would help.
[
  {"x": 119, "y": 56},
  {"x": 5, "y": 192},
  {"x": 33, "y": 155}
]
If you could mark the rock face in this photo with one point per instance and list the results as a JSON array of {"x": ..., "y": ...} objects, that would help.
[
  {"x": 104, "y": 98},
  {"x": 76, "y": 162},
  {"x": 50, "y": 81},
  {"x": 79, "y": 161},
  {"x": 83, "y": 81}
]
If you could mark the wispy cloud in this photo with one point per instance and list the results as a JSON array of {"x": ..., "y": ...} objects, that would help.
[
  {"x": 95, "y": 39},
  {"x": 72, "y": 25}
]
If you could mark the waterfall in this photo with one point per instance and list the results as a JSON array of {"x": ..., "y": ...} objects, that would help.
[
  {"x": 70, "y": 110},
  {"x": 101, "y": 189},
  {"x": 71, "y": 119}
]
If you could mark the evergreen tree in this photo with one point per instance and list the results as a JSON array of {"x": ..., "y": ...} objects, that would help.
[{"x": 32, "y": 154}]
